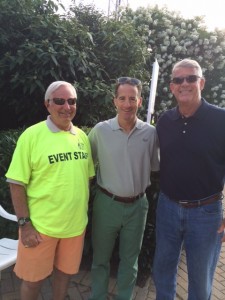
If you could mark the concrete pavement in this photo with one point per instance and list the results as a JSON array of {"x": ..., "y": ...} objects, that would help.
[{"x": 79, "y": 288}]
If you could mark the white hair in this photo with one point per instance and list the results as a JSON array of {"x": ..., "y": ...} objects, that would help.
[
  {"x": 188, "y": 63},
  {"x": 55, "y": 85}
]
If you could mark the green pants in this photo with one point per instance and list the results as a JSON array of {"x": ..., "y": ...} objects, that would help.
[{"x": 110, "y": 219}]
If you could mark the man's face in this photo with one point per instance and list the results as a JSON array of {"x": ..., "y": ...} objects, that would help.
[
  {"x": 62, "y": 115},
  {"x": 127, "y": 102},
  {"x": 187, "y": 92}
]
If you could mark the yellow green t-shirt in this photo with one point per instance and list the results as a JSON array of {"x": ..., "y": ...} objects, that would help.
[{"x": 55, "y": 168}]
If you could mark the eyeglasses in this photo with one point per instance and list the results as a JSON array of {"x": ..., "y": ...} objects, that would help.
[
  {"x": 130, "y": 80},
  {"x": 189, "y": 79},
  {"x": 61, "y": 101}
]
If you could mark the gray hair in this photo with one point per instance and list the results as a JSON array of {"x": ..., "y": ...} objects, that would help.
[
  {"x": 55, "y": 85},
  {"x": 128, "y": 80},
  {"x": 188, "y": 63}
]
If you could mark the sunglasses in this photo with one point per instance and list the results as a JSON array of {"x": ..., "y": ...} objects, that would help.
[
  {"x": 61, "y": 101},
  {"x": 133, "y": 81},
  {"x": 189, "y": 79}
]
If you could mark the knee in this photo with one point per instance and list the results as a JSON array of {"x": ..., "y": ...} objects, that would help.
[{"x": 32, "y": 285}]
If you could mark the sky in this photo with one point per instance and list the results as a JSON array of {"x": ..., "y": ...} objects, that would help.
[{"x": 212, "y": 10}]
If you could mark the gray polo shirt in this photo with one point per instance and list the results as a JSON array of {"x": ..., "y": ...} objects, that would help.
[{"x": 125, "y": 161}]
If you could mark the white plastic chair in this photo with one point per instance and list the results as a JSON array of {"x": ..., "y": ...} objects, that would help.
[{"x": 8, "y": 247}]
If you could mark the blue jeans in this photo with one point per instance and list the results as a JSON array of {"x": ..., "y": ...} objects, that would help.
[
  {"x": 110, "y": 219},
  {"x": 196, "y": 229}
]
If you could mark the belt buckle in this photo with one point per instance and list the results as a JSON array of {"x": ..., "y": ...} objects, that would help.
[
  {"x": 182, "y": 202},
  {"x": 190, "y": 204}
]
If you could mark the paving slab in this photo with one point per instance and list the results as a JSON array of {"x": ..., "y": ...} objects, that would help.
[{"x": 80, "y": 285}]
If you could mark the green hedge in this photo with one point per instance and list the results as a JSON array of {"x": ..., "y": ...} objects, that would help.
[
  {"x": 8, "y": 141},
  {"x": 7, "y": 145}
]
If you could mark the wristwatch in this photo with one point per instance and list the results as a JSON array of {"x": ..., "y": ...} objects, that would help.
[{"x": 23, "y": 221}]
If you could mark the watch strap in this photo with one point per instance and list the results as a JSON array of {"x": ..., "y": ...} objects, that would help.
[{"x": 23, "y": 221}]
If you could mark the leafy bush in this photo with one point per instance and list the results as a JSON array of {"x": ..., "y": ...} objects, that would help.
[
  {"x": 39, "y": 46},
  {"x": 84, "y": 47},
  {"x": 170, "y": 38},
  {"x": 8, "y": 141}
]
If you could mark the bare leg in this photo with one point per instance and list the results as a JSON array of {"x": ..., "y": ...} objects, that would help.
[
  {"x": 30, "y": 290},
  {"x": 60, "y": 284}
]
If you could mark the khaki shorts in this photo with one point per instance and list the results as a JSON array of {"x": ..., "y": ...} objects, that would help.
[{"x": 34, "y": 264}]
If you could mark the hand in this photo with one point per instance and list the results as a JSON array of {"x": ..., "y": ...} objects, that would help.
[
  {"x": 221, "y": 229},
  {"x": 30, "y": 237}
]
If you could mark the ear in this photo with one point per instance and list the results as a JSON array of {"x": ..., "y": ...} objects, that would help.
[
  {"x": 202, "y": 83},
  {"x": 114, "y": 101},
  {"x": 171, "y": 87},
  {"x": 46, "y": 104},
  {"x": 140, "y": 102}
]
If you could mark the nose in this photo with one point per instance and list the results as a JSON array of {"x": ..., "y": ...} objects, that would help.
[
  {"x": 66, "y": 105},
  {"x": 127, "y": 103},
  {"x": 184, "y": 80}
]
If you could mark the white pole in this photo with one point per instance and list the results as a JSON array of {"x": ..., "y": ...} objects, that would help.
[
  {"x": 108, "y": 8},
  {"x": 152, "y": 94}
]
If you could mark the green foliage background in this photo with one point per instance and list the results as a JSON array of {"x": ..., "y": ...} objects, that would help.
[{"x": 39, "y": 45}]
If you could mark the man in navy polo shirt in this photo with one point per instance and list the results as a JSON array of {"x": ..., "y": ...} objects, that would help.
[{"x": 192, "y": 171}]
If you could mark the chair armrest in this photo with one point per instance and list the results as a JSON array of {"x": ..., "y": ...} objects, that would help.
[{"x": 7, "y": 215}]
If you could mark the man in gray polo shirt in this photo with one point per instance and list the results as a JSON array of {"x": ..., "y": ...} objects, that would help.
[{"x": 126, "y": 150}]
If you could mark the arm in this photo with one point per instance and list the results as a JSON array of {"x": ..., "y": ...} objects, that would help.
[
  {"x": 93, "y": 143},
  {"x": 221, "y": 229},
  {"x": 29, "y": 236},
  {"x": 19, "y": 200}
]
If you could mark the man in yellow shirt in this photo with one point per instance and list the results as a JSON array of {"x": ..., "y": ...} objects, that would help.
[{"x": 49, "y": 183}]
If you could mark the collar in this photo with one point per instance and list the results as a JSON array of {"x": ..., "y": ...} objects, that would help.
[
  {"x": 115, "y": 124},
  {"x": 53, "y": 128},
  {"x": 200, "y": 112}
]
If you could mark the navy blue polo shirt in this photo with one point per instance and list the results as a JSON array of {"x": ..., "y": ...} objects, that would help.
[{"x": 192, "y": 152}]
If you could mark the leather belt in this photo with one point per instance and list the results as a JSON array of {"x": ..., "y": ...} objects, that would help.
[
  {"x": 121, "y": 199},
  {"x": 198, "y": 203}
]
